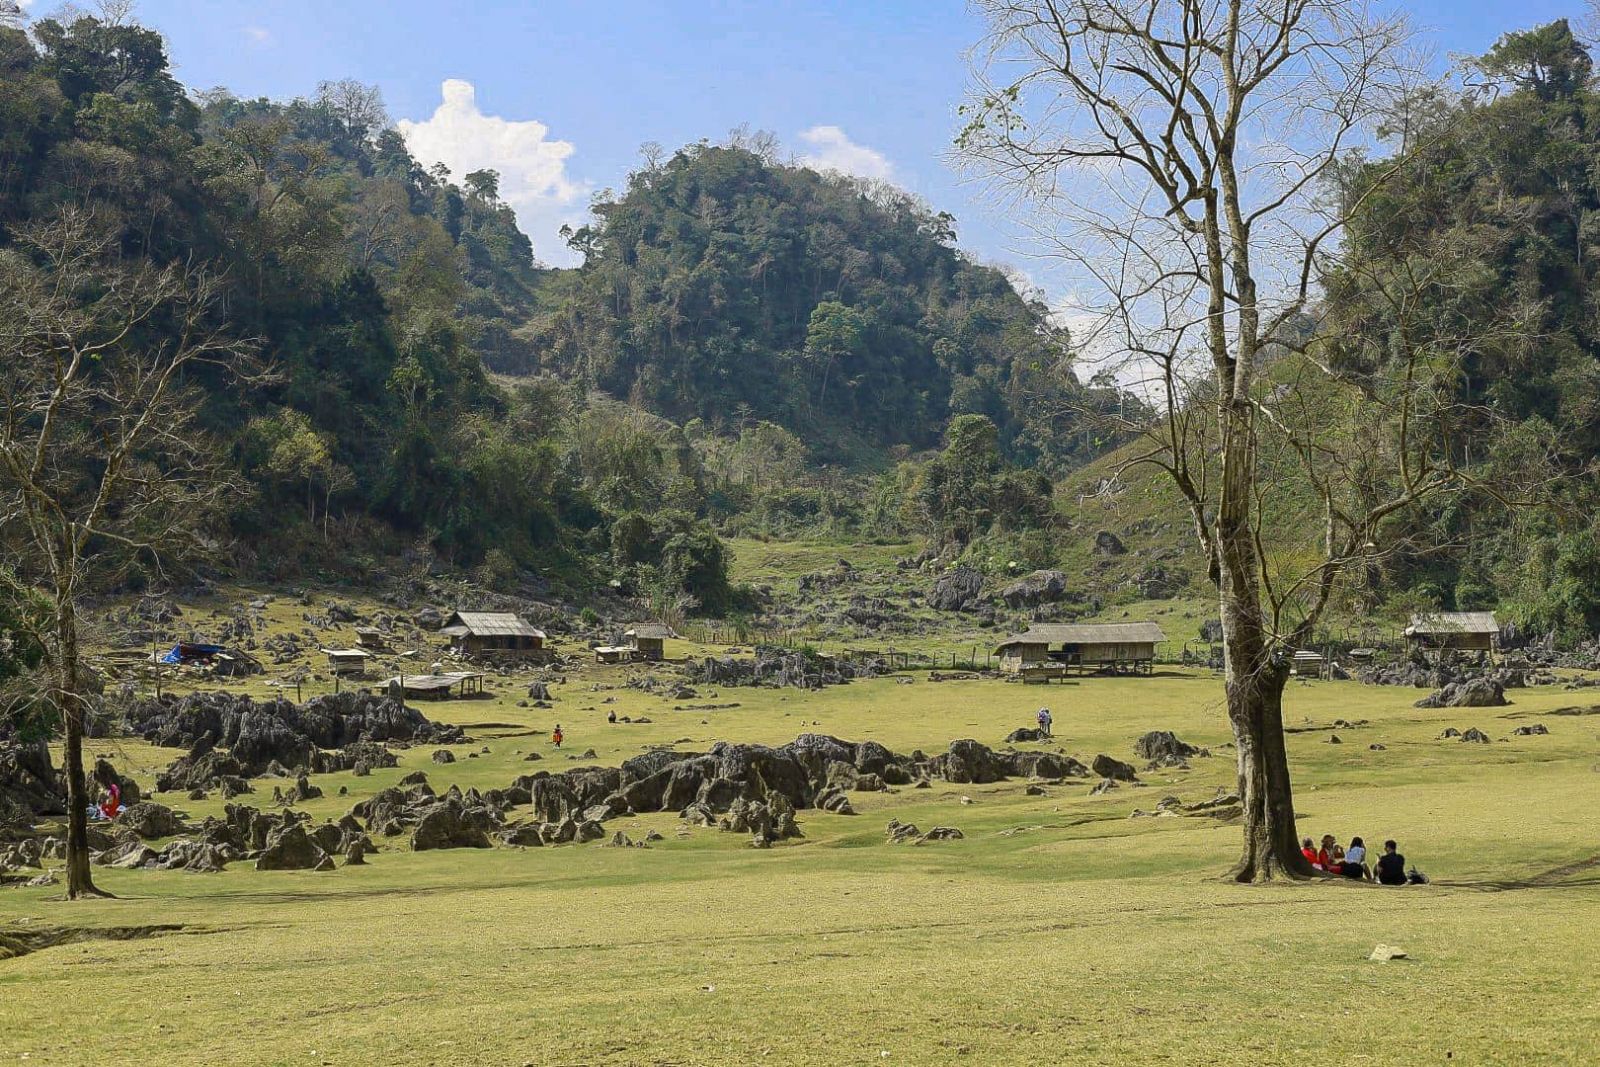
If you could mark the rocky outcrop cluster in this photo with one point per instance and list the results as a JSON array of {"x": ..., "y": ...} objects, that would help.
[
  {"x": 1514, "y": 674},
  {"x": 783, "y": 669},
  {"x": 336, "y": 732},
  {"x": 745, "y": 788},
  {"x": 293, "y": 735},
  {"x": 905, "y": 833}
]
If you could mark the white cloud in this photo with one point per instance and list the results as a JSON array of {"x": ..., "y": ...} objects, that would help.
[
  {"x": 533, "y": 174},
  {"x": 832, "y": 149},
  {"x": 258, "y": 35}
]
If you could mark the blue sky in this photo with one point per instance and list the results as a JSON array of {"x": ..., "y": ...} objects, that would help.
[{"x": 580, "y": 85}]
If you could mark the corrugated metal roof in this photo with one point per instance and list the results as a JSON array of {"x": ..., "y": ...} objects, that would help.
[
  {"x": 348, "y": 653},
  {"x": 1453, "y": 622},
  {"x": 493, "y": 624},
  {"x": 426, "y": 682},
  {"x": 1111, "y": 633},
  {"x": 649, "y": 629}
]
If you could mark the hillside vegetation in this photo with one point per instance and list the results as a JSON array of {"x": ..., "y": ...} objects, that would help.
[
  {"x": 725, "y": 286},
  {"x": 746, "y": 343}
]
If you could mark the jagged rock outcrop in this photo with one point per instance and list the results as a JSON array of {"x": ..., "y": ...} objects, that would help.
[
  {"x": 29, "y": 781},
  {"x": 260, "y": 733},
  {"x": 1040, "y": 765},
  {"x": 290, "y": 848},
  {"x": 205, "y": 768},
  {"x": 1107, "y": 543},
  {"x": 1033, "y": 590},
  {"x": 958, "y": 589},
  {"x": 1480, "y": 692},
  {"x": 1114, "y": 769},
  {"x": 782, "y": 669},
  {"x": 968, "y": 762},
  {"x": 766, "y": 821},
  {"x": 451, "y": 823},
  {"x": 1163, "y": 749},
  {"x": 150, "y": 820}
]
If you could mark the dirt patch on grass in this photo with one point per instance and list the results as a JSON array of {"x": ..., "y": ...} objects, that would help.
[{"x": 18, "y": 941}]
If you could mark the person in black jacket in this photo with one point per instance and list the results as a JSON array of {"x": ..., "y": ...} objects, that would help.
[{"x": 1391, "y": 865}]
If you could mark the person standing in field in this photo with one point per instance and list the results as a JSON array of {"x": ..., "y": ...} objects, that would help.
[
  {"x": 555, "y": 735},
  {"x": 1044, "y": 723}
]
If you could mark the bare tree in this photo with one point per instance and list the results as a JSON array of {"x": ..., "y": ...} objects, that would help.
[
  {"x": 101, "y": 462},
  {"x": 359, "y": 108},
  {"x": 1178, "y": 155}
]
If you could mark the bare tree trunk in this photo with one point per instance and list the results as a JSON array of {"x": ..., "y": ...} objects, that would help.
[
  {"x": 1254, "y": 678},
  {"x": 1255, "y": 711},
  {"x": 80, "y": 883}
]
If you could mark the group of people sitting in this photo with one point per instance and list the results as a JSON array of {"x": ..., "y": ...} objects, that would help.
[
  {"x": 1390, "y": 869},
  {"x": 109, "y": 806}
]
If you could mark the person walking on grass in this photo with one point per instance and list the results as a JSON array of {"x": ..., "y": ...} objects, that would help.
[
  {"x": 1044, "y": 724},
  {"x": 555, "y": 735}
]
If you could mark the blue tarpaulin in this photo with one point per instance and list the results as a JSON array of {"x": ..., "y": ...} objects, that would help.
[{"x": 186, "y": 653}]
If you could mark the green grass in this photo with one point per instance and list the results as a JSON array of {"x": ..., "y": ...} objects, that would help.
[
  {"x": 784, "y": 561},
  {"x": 1058, "y": 931}
]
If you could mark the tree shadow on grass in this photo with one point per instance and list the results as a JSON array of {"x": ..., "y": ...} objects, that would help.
[{"x": 1563, "y": 877}]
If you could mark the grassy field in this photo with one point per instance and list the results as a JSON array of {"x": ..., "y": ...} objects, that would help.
[{"x": 1060, "y": 930}]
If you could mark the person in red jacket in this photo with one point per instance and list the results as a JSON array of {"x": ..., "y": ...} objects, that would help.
[
  {"x": 1309, "y": 851},
  {"x": 555, "y": 735},
  {"x": 113, "y": 802}
]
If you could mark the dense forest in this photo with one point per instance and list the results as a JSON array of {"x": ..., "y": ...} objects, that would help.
[
  {"x": 725, "y": 286},
  {"x": 741, "y": 347},
  {"x": 1504, "y": 182}
]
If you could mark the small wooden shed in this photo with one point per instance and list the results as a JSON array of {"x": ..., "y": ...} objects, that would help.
[
  {"x": 648, "y": 639},
  {"x": 499, "y": 634},
  {"x": 1057, "y": 648},
  {"x": 347, "y": 660},
  {"x": 1308, "y": 664},
  {"x": 1461, "y": 631}
]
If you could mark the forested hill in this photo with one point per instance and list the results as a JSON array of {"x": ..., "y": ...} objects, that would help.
[
  {"x": 725, "y": 286},
  {"x": 764, "y": 333}
]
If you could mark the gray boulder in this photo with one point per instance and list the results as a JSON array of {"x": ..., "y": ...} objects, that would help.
[
  {"x": 451, "y": 824},
  {"x": 1040, "y": 587},
  {"x": 292, "y": 849},
  {"x": 150, "y": 820},
  {"x": 1471, "y": 693},
  {"x": 1114, "y": 769},
  {"x": 956, "y": 590},
  {"x": 966, "y": 762}
]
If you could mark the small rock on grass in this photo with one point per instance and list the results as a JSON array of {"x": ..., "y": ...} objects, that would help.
[{"x": 1384, "y": 953}]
